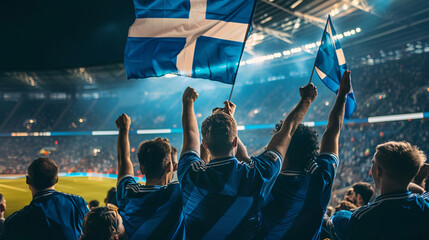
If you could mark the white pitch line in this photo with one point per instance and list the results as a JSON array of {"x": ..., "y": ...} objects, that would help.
[{"x": 13, "y": 188}]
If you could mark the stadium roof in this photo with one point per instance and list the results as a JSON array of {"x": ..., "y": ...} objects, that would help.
[{"x": 51, "y": 44}]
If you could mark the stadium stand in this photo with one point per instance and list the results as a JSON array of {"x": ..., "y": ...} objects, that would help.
[
  {"x": 79, "y": 153},
  {"x": 62, "y": 91}
]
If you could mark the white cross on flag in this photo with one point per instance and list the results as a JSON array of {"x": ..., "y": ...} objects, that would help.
[{"x": 195, "y": 38}]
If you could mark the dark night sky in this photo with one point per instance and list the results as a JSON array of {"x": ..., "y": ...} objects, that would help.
[{"x": 63, "y": 33}]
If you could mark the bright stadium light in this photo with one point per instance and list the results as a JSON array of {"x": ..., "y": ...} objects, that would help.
[
  {"x": 170, "y": 75},
  {"x": 296, "y": 50},
  {"x": 295, "y": 4}
]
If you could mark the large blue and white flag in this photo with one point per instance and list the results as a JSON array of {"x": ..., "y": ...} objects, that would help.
[
  {"x": 195, "y": 38},
  {"x": 331, "y": 64}
]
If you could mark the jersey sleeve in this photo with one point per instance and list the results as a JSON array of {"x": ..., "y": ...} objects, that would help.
[
  {"x": 188, "y": 161},
  {"x": 121, "y": 191},
  {"x": 340, "y": 222},
  {"x": 268, "y": 165},
  {"x": 83, "y": 205},
  {"x": 328, "y": 164}
]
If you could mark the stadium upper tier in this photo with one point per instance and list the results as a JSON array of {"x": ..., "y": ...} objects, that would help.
[{"x": 392, "y": 87}]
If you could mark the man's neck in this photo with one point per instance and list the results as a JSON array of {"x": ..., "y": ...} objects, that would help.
[
  {"x": 221, "y": 156},
  {"x": 157, "y": 182},
  {"x": 36, "y": 191},
  {"x": 1, "y": 215},
  {"x": 387, "y": 187}
]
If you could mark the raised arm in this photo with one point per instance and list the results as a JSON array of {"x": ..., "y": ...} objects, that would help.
[
  {"x": 241, "y": 154},
  {"x": 125, "y": 166},
  {"x": 280, "y": 141},
  {"x": 331, "y": 136},
  {"x": 422, "y": 175},
  {"x": 191, "y": 136}
]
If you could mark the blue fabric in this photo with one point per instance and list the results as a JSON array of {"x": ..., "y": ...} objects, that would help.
[
  {"x": 340, "y": 221},
  {"x": 152, "y": 56},
  {"x": 50, "y": 215},
  {"x": 222, "y": 199},
  {"x": 391, "y": 216},
  {"x": 222, "y": 57},
  {"x": 150, "y": 212},
  {"x": 425, "y": 195},
  {"x": 238, "y": 11},
  {"x": 214, "y": 59},
  {"x": 162, "y": 8},
  {"x": 298, "y": 201},
  {"x": 327, "y": 62}
]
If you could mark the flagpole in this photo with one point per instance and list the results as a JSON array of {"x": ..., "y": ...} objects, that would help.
[
  {"x": 314, "y": 65},
  {"x": 231, "y": 92},
  {"x": 245, "y": 39},
  {"x": 312, "y": 71}
]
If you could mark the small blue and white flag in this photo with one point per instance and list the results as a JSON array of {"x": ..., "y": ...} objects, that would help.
[
  {"x": 331, "y": 64},
  {"x": 195, "y": 38}
]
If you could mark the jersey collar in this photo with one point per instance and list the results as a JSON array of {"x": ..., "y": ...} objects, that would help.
[
  {"x": 43, "y": 193},
  {"x": 394, "y": 195},
  {"x": 221, "y": 160}
]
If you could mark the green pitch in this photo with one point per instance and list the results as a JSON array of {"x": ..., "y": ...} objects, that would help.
[{"x": 90, "y": 188}]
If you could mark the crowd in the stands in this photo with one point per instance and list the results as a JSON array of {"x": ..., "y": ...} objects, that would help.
[{"x": 211, "y": 200}]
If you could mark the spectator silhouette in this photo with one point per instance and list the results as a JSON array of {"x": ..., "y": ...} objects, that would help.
[
  {"x": 396, "y": 213},
  {"x": 222, "y": 195},
  {"x": 300, "y": 196},
  {"x": 51, "y": 214},
  {"x": 111, "y": 197},
  {"x": 154, "y": 210},
  {"x": 2, "y": 210},
  {"x": 103, "y": 223}
]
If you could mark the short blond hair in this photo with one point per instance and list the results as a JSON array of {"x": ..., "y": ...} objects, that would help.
[{"x": 400, "y": 160}]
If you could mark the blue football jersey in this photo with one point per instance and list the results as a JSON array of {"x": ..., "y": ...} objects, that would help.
[
  {"x": 298, "y": 201},
  {"x": 50, "y": 215},
  {"x": 399, "y": 215},
  {"x": 150, "y": 212},
  {"x": 222, "y": 199}
]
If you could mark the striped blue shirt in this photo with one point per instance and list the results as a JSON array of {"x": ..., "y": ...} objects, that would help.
[
  {"x": 298, "y": 201},
  {"x": 150, "y": 212},
  {"x": 222, "y": 199},
  {"x": 391, "y": 216},
  {"x": 425, "y": 195},
  {"x": 50, "y": 215}
]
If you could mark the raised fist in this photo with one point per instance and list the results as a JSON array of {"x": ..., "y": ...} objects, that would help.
[
  {"x": 190, "y": 95},
  {"x": 123, "y": 122},
  {"x": 345, "y": 84},
  {"x": 308, "y": 92},
  {"x": 229, "y": 108}
]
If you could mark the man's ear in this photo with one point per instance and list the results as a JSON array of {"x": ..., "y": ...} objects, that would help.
[
  {"x": 175, "y": 166},
  {"x": 169, "y": 167},
  {"x": 27, "y": 180},
  {"x": 235, "y": 142},
  {"x": 204, "y": 144},
  {"x": 359, "y": 199},
  {"x": 56, "y": 180},
  {"x": 379, "y": 172}
]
